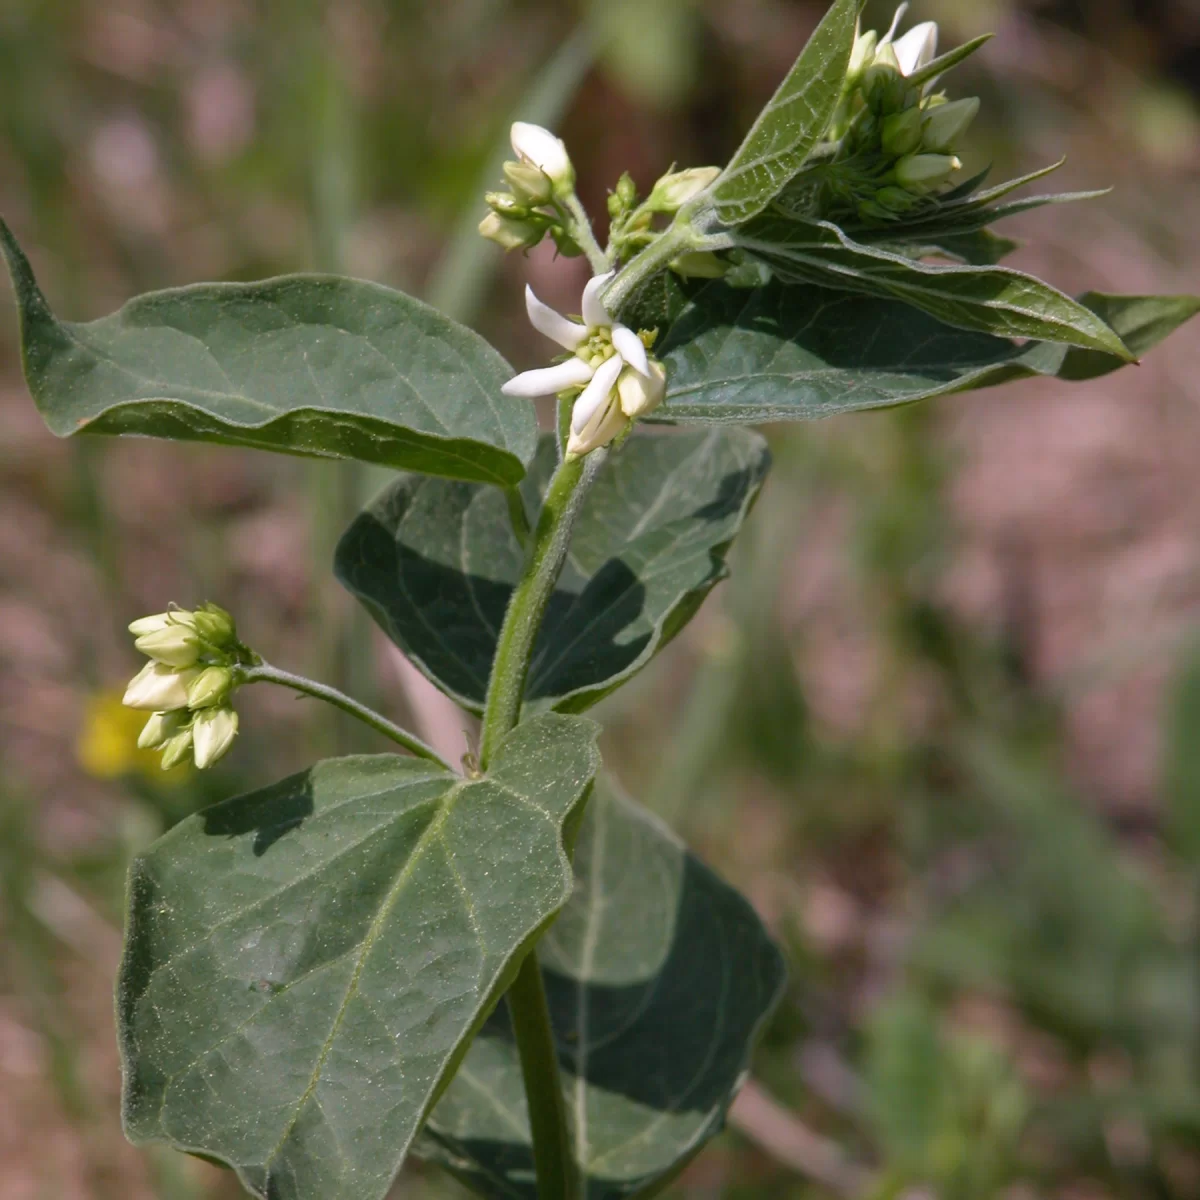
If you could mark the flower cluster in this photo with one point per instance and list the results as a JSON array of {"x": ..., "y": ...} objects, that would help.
[
  {"x": 187, "y": 684},
  {"x": 893, "y": 139},
  {"x": 610, "y": 372},
  {"x": 540, "y": 179},
  {"x": 632, "y": 223}
]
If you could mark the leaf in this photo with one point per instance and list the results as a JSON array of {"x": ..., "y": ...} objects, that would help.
[
  {"x": 939, "y": 66},
  {"x": 792, "y": 123},
  {"x": 660, "y": 978},
  {"x": 988, "y": 299},
  {"x": 783, "y": 353},
  {"x": 980, "y": 247},
  {"x": 305, "y": 364},
  {"x": 305, "y": 965},
  {"x": 435, "y": 564}
]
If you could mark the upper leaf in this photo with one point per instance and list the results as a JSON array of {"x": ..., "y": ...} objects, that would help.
[
  {"x": 788, "y": 353},
  {"x": 659, "y": 978},
  {"x": 435, "y": 564},
  {"x": 305, "y": 965},
  {"x": 304, "y": 364},
  {"x": 792, "y": 123},
  {"x": 989, "y": 299}
]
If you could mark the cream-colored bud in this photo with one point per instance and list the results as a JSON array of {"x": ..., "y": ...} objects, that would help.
[
  {"x": 924, "y": 173},
  {"x": 210, "y": 687},
  {"x": 946, "y": 123},
  {"x": 700, "y": 264},
  {"x": 607, "y": 422},
  {"x": 177, "y": 749},
  {"x": 531, "y": 185},
  {"x": 538, "y": 147},
  {"x": 176, "y": 645},
  {"x": 160, "y": 728},
  {"x": 863, "y": 53},
  {"x": 641, "y": 395},
  {"x": 145, "y": 625},
  {"x": 213, "y": 732},
  {"x": 673, "y": 191},
  {"x": 509, "y": 232},
  {"x": 159, "y": 688}
]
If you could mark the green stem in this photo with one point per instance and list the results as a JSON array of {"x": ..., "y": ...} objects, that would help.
[
  {"x": 264, "y": 673},
  {"x": 557, "y": 1176},
  {"x": 581, "y": 231},
  {"x": 675, "y": 241},
  {"x": 548, "y": 551}
]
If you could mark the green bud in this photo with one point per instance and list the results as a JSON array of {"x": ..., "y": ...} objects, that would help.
[
  {"x": 213, "y": 732},
  {"x": 627, "y": 190},
  {"x": 675, "y": 189},
  {"x": 215, "y": 625},
  {"x": 567, "y": 246},
  {"x": 946, "y": 123},
  {"x": 862, "y": 55},
  {"x": 896, "y": 200},
  {"x": 176, "y": 645},
  {"x": 925, "y": 173},
  {"x": 211, "y": 687},
  {"x": 161, "y": 728},
  {"x": 699, "y": 264},
  {"x": 511, "y": 233},
  {"x": 176, "y": 749},
  {"x": 531, "y": 186},
  {"x": 870, "y": 212},
  {"x": 900, "y": 134}
]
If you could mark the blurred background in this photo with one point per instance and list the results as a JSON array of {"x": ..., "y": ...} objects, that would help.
[{"x": 943, "y": 723}]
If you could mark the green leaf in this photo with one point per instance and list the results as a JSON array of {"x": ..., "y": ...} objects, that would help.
[
  {"x": 979, "y": 248},
  {"x": 988, "y": 299},
  {"x": 939, "y": 66},
  {"x": 435, "y": 564},
  {"x": 305, "y": 965},
  {"x": 660, "y": 978},
  {"x": 305, "y": 364},
  {"x": 792, "y": 123},
  {"x": 781, "y": 353}
]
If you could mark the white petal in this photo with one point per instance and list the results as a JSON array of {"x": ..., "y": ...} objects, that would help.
[
  {"x": 601, "y": 430},
  {"x": 891, "y": 33},
  {"x": 568, "y": 334},
  {"x": 596, "y": 392},
  {"x": 595, "y": 315},
  {"x": 538, "y": 146},
  {"x": 549, "y": 381},
  {"x": 918, "y": 47},
  {"x": 630, "y": 348}
]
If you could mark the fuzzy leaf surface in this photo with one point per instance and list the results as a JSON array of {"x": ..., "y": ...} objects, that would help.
[
  {"x": 305, "y": 965},
  {"x": 435, "y": 563},
  {"x": 659, "y": 978},
  {"x": 792, "y": 123},
  {"x": 786, "y": 353},
  {"x": 314, "y": 365}
]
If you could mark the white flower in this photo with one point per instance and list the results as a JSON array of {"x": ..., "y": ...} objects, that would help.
[
  {"x": 176, "y": 645},
  {"x": 538, "y": 147},
  {"x": 159, "y": 688},
  {"x": 213, "y": 732},
  {"x": 917, "y": 48},
  {"x": 605, "y": 354}
]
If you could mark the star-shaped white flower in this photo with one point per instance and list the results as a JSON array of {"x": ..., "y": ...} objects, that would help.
[{"x": 609, "y": 363}]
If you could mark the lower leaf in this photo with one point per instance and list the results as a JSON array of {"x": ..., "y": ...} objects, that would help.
[
  {"x": 659, "y": 977},
  {"x": 305, "y": 965}
]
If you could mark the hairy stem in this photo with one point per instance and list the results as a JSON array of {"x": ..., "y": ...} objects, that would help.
[
  {"x": 581, "y": 231},
  {"x": 546, "y": 554},
  {"x": 264, "y": 673},
  {"x": 552, "y": 1155}
]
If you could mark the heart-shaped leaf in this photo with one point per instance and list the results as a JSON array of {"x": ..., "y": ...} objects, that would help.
[
  {"x": 436, "y": 562},
  {"x": 790, "y": 126},
  {"x": 305, "y": 965},
  {"x": 659, "y": 978},
  {"x": 305, "y": 364},
  {"x": 789, "y": 353},
  {"x": 994, "y": 300}
]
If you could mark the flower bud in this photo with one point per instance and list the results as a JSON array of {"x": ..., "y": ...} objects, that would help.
[
  {"x": 924, "y": 173},
  {"x": 564, "y": 243},
  {"x": 900, "y": 134},
  {"x": 177, "y": 749},
  {"x": 531, "y": 186},
  {"x": 210, "y": 687},
  {"x": 607, "y": 422},
  {"x": 699, "y": 264},
  {"x": 917, "y": 48},
  {"x": 505, "y": 205},
  {"x": 863, "y": 55},
  {"x": 946, "y": 123},
  {"x": 215, "y": 625},
  {"x": 639, "y": 395},
  {"x": 538, "y": 147},
  {"x": 145, "y": 625},
  {"x": 159, "y": 688},
  {"x": 213, "y": 732},
  {"x": 896, "y": 200},
  {"x": 161, "y": 727},
  {"x": 176, "y": 645},
  {"x": 511, "y": 233},
  {"x": 674, "y": 190}
]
